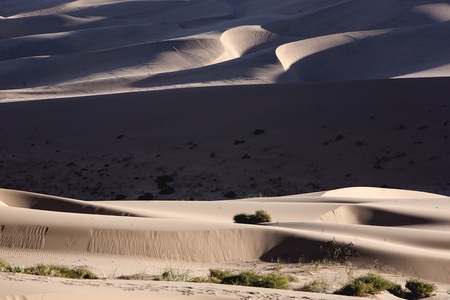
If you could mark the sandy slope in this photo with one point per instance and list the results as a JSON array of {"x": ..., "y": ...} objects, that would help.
[
  {"x": 243, "y": 99},
  {"x": 59, "y": 48},
  {"x": 404, "y": 230}
]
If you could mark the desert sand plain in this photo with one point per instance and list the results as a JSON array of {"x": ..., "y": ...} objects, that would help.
[{"x": 332, "y": 116}]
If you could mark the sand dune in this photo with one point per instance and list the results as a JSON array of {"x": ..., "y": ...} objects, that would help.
[
  {"x": 331, "y": 115},
  {"x": 71, "y": 48}
]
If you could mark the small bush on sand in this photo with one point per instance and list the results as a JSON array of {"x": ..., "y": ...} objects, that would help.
[
  {"x": 370, "y": 284},
  {"x": 260, "y": 216},
  {"x": 335, "y": 252},
  {"x": 173, "y": 275},
  {"x": 249, "y": 278},
  {"x": 60, "y": 271},
  {"x": 50, "y": 271},
  {"x": 419, "y": 288}
]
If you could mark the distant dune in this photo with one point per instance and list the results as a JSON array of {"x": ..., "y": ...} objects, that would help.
[{"x": 331, "y": 115}]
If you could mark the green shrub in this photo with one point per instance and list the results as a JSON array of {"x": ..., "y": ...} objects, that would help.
[
  {"x": 219, "y": 274},
  {"x": 60, "y": 271},
  {"x": 50, "y": 271},
  {"x": 260, "y": 216},
  {"x": 172, "y": 275},
  {"x": 419, "y": 288},
  {"x": 315, "y": 286},
  {"x": 249, "y": 278},
  {"x": 369, "y": 284},
  {"x": 3, "y": 265}
]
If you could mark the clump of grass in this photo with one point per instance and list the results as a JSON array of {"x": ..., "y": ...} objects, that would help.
[
  {"x": 335, "y": 252},
  {"x": 419, "y": 288},
  {"x": 370, "y": 284},
  {"x": 260, "y": 216},
  {"x": 49, "y": 270},
  {"x": 60, "y": 271},
  {"x": 173, "y": 275},
  {"x": 249, "y": 278},
  {"x": 315, "y": 286}
]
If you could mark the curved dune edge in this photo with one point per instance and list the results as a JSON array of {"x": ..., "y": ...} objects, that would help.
[
  {"x": 258, "y": 43},
  {"x": 41, "y": 223},
  {"x": 381, "y": 193}
]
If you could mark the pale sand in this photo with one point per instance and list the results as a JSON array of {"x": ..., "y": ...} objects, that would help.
[
  {"x": 342, "y": 93},
  {"x": 404, "y": 234}
]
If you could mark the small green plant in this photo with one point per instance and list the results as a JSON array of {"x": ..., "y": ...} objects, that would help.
[
  {"x": 3, "y": 265},
  {"x": 260, "y": 216},
  {"x": 315, "y": 286},
  {"x": 419, "y": 288},
  {"x": 172, "y": 275},
  {"x": 249, "y": 278},
  {"x": 370, "y": 284},
  {"x": 49, "y": 270},
  {"x": 272, "y": 280},
  {"x": 60, "y": 271}
]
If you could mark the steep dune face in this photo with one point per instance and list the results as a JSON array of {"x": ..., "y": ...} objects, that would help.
[{"x": 354, "y": 56}]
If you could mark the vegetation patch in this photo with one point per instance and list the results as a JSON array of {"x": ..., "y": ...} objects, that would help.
[
  {"x": 50, "y": 271},
  {"x": 335, "y": 252},
  {"x": 272, "y": 280},
  {"x": 260, "y": 216},
  {"x": 419, "y": 289},
  {"x": 371, "y": 284}
]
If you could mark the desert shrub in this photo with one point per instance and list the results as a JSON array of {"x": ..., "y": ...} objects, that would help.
[
  {"x": 260, "y": 216},
  {"x": 419, "y": 288},
  {"x": 335, "y": 252},
  {"x": 249, "y": 278},
  {"x": 315, "y": 286},
  {"x": 60, "y": 271},
  {"x": 172, "y": 275},
  {"x": 219, "y": 274},
  {"x": 3, "y": 265},
  {"x": 50, "y": 271},
  {"x": 369, "y": 284}
]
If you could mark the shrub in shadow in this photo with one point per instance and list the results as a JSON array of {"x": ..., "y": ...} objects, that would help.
[{"x": 260, "y": 216}]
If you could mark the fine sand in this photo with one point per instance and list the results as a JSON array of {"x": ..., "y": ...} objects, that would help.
[{"x": 330, "y": 115}]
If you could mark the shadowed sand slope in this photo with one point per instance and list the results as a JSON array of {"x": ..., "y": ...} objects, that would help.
[
  {"x": 252, "y": 140},
  {"x": 396, "y": 231}
]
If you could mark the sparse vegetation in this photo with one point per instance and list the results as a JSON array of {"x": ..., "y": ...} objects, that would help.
[
  {"x": 335, "y": 252},
  {"x": 370, "y": 284},
  {"x": 419, "y": 288},
  {"x": 173, "y": 275},
  {"x": 260, "y": 216},
  {"x": 272, "y": 280},
  {"x": 50, "y": 271}
]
